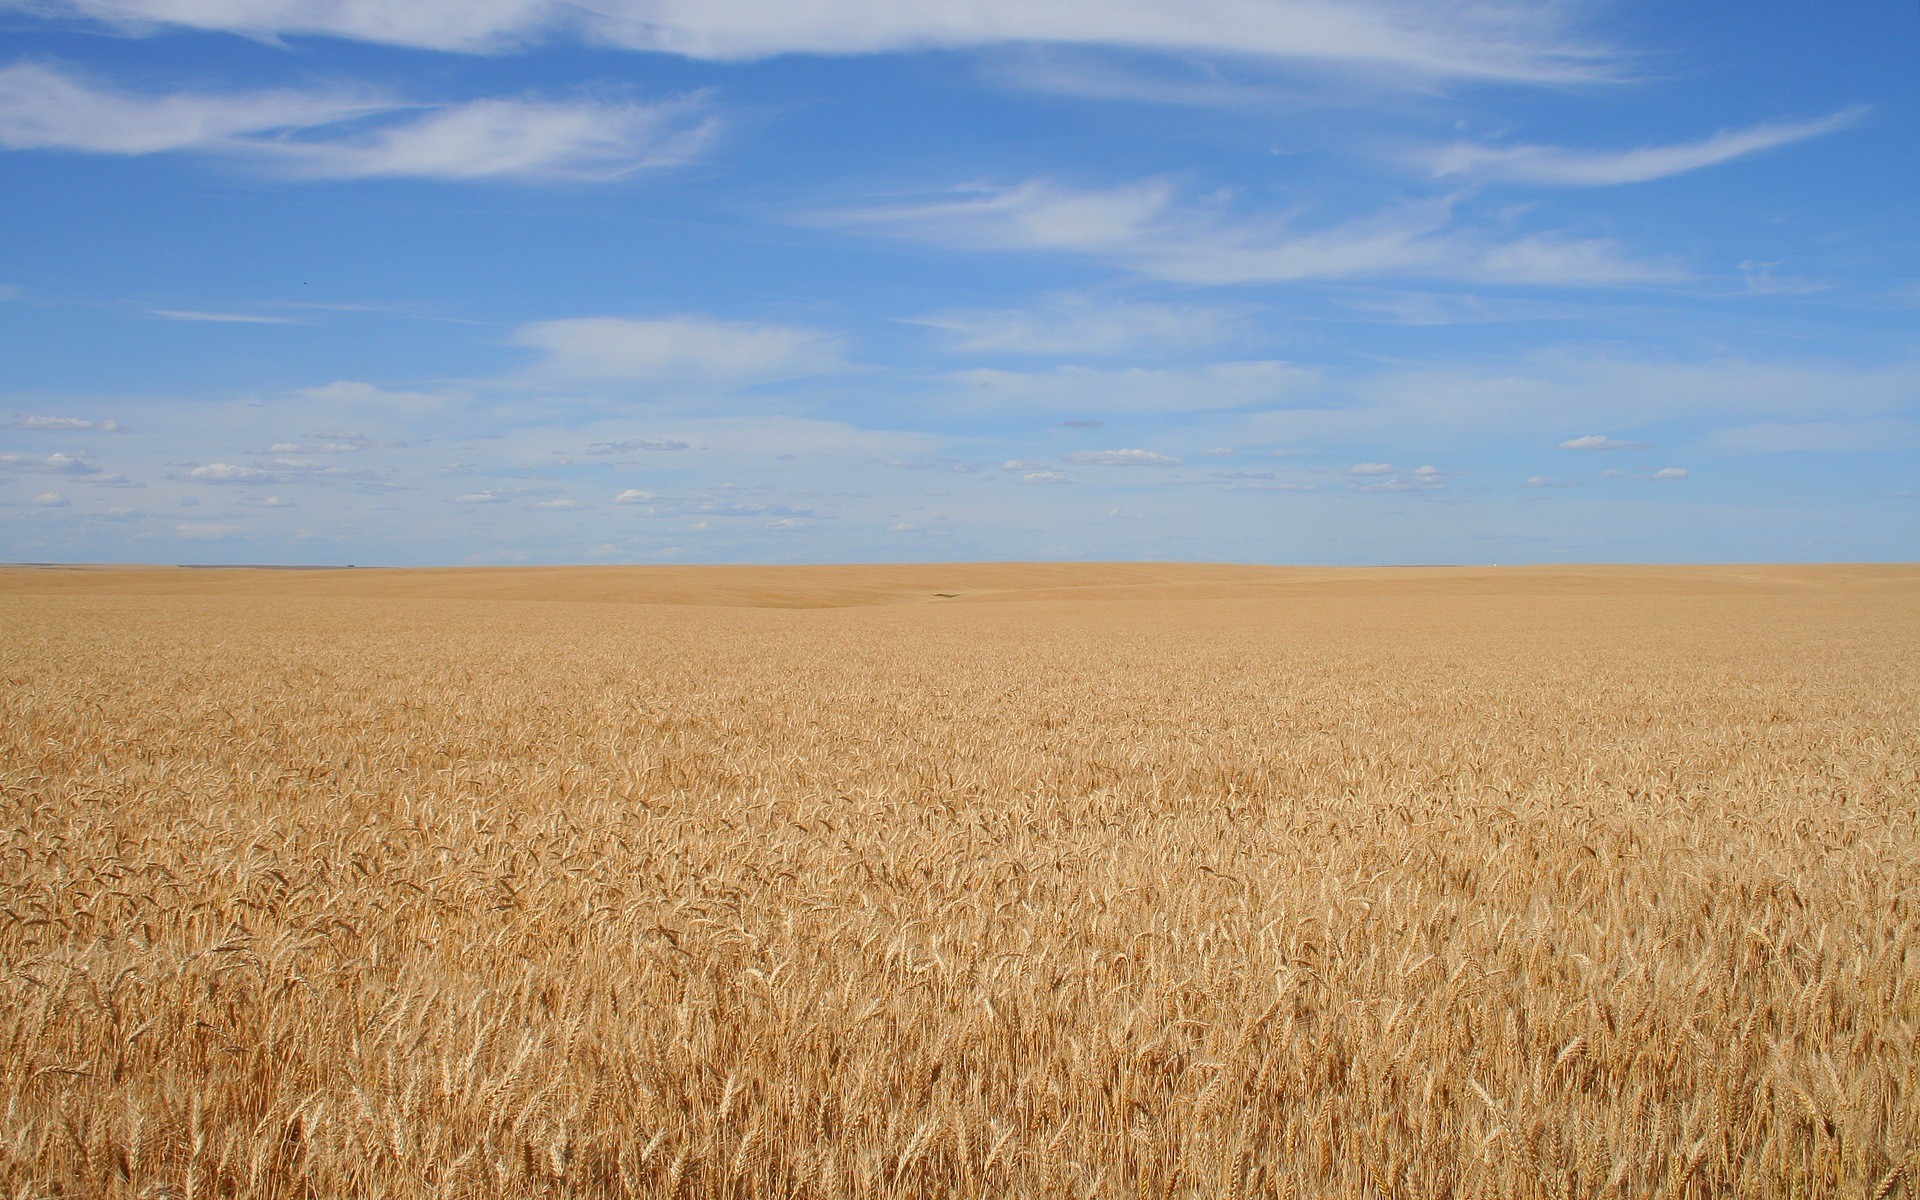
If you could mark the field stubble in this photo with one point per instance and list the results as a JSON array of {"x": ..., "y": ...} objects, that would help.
[{"x": 1310, "y": 884}]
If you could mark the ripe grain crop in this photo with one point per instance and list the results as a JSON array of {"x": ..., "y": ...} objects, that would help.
[{"x": 1077, "y": 881}]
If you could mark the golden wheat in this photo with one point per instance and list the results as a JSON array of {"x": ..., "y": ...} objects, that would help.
[{"x": 1087, "y": 881}]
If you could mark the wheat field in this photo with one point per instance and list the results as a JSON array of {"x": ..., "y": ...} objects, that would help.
[{"x": 980, "y": 881}]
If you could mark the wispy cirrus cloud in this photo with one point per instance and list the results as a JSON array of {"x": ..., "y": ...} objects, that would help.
[
  {"x": 351, "y": 133},
  {"x": 1226, "y": 385},
  {"x": 1148, "y": 228},
  {"x": 678, "y": 348},
  {"x": 1469, "y": 40},
  {"x": 62, "y": 424},
  {"x": 1561, "y": 167},
  {"x": 1075, "y": 323},
  {"x": 1119, "y": 458},
  {"x": 223, "y": 318}
]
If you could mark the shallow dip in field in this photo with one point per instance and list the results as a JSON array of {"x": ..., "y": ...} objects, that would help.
[{"x": 960, "y": 880}]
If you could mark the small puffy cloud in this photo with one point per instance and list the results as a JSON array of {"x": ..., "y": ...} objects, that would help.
[
  {"x": 1370, "y": 468},
  {"x": 480, "y": 498},
  {"x": 685, "y": 348},
  {"x": 561, "y": 503},
  {"x": 1426, "y": 472},
  {"x": 1022, "y": 464},
  {"x": 52, "y": 464},
  {"x": 1670, "y": 473},
  {"x": 903, "y": 527},
  {"x": 1046, "y": 477},
  {"x": 1541, "y": 481},
  {"x": 63, "y": 424},
  {"x": 50, "y": 500},
  {"x": 221, "y": 472},
  {"x": 1119, "y": 458},
  {"x": 1600, "y": 441},
  {"x": 635, "y": 496},
  {"x": 635, "y": 444}
]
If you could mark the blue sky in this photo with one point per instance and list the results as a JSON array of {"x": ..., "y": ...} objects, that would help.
[{"x": 1318, "y": 281}]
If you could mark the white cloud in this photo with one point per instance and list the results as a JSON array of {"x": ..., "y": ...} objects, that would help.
[
  {"x": 1544, "y": 393},
  {"x": 350, "y": 135},
  {"x": 1147, "y": 228},
  {"x": 903, "y": 527},
  {"x": 1042, "y": 477},
  {"x": 1600, "y": 441},
  {"x": 205, "y": 531},
  {"x": 52, "y": 464},
  {"x": 63, "y": 424},
  {"x": 271, "y": 502},
  {"x": 677, "y": 348},
  {"x": 1670, "y": 473},
  {"x": 1079, "y": 324},
  {"x": 188, "y": 314},
  {"x": 1776, "y": 437},
  {"x": 1131, "y": 389},
  {"x": 356, "y": 392},
  {"x": 488, "y": 497},
  {"x": 1370, "y": 468},
  {"x": 635, "y": 496},
  {"x": 1759, "y": 279},
  {"x": 630, "y": 445},
  {"x": 1119, "y": 458},
  {"x": 1554, "y": 165},
  {"x": 1501, "y": 41},
  {"x": 1402, "y": 483},
  {"x": 512, "y": 139},
  {"x": 50, "y": 500},
  {"x": 557, "y": 504},
  {"x": 221, "y": 472}
]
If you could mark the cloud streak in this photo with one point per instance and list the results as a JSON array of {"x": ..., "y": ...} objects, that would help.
[
  {"x": 1146, "y": 227},
  {"x": 348, "y": 134},
  {"x": 678, "y": 348},
  {"x": 1555, "y": 166},
  {"x": 1437, "y": 40}
]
